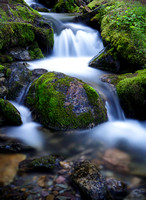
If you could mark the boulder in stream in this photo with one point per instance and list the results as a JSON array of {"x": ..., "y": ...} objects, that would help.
[
  {"x": 62, "y": 102},
  {"x": 9, "y": 115}
]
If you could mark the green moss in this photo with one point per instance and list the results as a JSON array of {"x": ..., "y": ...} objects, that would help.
[
  {"x": 123, "y": 26},
  {"x": 132, "y": 94},
  {"x": 46, "y": 162},
  {"x": 2, "y": 68},
  {"x": 9, "y": 114},
  {"x": 35, "y": 52},
  {"x": 48, "y": 103},
  {"x": 66, "y": 6}
]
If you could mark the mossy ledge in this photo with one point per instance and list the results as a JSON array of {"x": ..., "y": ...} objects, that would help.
[
  {"x": 9, "y": 115},
  {"x": 24, "y": 28},
  {"x": 62, "y": 102}
]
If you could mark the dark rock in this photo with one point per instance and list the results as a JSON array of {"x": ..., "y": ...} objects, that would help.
[
  {"x": 48, "y": 3},
  {"x": 20, "y": 54},
  {"x": 90, "y": 182},
  {"x": 117, "y": 189},
  {"x": 137, "y": 194},
  {"x": 16, "y": 148},
  {"x": 18, "y": 79}
]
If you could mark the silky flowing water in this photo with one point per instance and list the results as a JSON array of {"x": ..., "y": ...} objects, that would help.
[{"x": 75, "y": 45}]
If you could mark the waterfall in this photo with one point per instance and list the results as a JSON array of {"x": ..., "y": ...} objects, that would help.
[{"x": 75, "y": 45}]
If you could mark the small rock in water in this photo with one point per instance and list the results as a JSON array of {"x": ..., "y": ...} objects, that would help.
[
  {"x": 88, "y": 179},
  {"x": 117, "y": 160}
]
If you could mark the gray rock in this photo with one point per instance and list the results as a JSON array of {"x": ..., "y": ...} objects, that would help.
[{"x": 20, "y": 54}]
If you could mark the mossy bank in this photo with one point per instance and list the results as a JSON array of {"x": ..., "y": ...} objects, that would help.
[
  {"x": 122, "y": 27},
  {"x": 24, "y": 28},
  {"x": 63, "y": 102}
]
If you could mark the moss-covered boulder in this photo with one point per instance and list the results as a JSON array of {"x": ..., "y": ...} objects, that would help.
[
  {"x": 62, "y": 102},
  {"x": 132, "y": 95},
  {"x": 9, "y": 115},
  {"x": 131, "y": 89},
  {"x": 23, "y": 27}
]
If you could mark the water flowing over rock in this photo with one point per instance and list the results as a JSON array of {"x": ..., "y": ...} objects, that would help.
[{"x": 62, "y": 102}]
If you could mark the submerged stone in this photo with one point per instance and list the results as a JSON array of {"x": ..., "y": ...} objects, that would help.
[{"x": 62, "y": 102}]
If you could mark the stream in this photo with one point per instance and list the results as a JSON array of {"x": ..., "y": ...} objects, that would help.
[{"x": 75, "y": 45}]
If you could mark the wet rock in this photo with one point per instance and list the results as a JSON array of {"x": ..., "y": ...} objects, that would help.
[
  {"x": 9, "y": 166},
  {"x": 117, "y": 160},
  {"x": 36, "y": 73},
  {"x": 62, "y": 102},
  {"x": 90, "y": 182},
  {"x": 20, "y": 54},
  {"x": 18, "y": 79},
  {"x": 16, "y": 148},
  {"x": 38, "y": 8},
  {"x": 137, "y": 194},
  {"x": 117, "y": 189},
  {"x": 105, "y": 61}
]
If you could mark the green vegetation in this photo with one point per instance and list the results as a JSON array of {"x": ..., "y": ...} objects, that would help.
[
  {"x": 123, "y": 27},
  {"x": 21, "y": 26},
  {"x": 2, "y": 68},
  {"x": 47, "y": 97},
  {"x": 132, "y": 94},
  {"x": 9, "y": 114},
  {"x": 68, "y": 6}
]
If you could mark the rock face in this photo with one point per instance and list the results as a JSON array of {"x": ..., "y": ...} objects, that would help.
[
  {"x": 87, "y": 177},
  {"x": 9, "y": 115},
  {"x": 63, "y": 102}
]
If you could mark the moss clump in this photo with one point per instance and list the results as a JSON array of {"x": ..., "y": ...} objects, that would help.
[
  {"x": 132, "y": 95},
  {"x": 46, "y": 162},
  {"x": 9, "y": 115},
  {"x": 53, "y": 101},
  {"x": 66, "y": 6},
  {"x": 2, "y": 68},
  {"x": 35, "y": 52}
]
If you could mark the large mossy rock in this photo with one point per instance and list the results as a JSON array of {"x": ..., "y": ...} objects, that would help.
[
  {"x": 9, "y": 115},
  {"x": 21, "y": 27},
  {"x": 131, "y": 89},
  {"x": 62, "y": 102}
]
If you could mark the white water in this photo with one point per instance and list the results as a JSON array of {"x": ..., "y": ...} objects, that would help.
[{"x": 75, "y": 45}]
